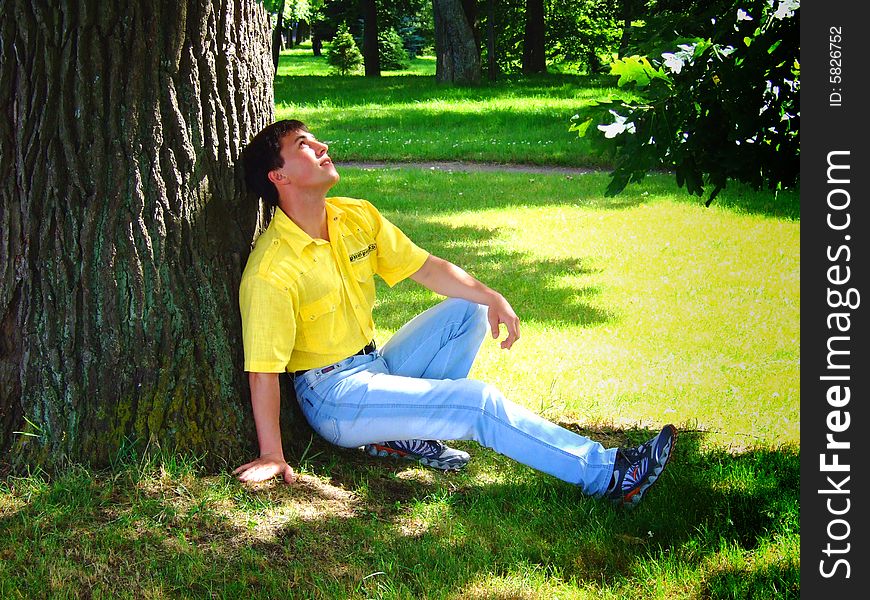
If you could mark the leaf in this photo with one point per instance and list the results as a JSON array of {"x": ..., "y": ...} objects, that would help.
[
  {"x": 581, "y": 128},
  {"x": 635, "y": 69}
]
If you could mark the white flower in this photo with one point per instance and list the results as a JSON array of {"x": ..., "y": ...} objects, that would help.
[
  {"x": 673, "y": 62},
  {"x": 786, "y": 9},
  {"x": 742, "y": 15},
  {"x": 619, "y": 126}
]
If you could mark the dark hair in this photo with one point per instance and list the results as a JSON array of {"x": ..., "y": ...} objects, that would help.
[{"x": 263, "y": 154}]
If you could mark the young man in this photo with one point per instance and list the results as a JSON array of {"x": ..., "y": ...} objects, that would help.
[{"x": 306, "y": 302}]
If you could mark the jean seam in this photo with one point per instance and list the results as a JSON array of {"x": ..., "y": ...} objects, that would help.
[{"x": 480, "y": 410}]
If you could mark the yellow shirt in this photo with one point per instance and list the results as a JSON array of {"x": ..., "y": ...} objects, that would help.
[{"x": 307, "y": 303}]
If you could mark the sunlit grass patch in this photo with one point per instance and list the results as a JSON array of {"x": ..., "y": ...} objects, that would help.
[{"x": 637, "y": 310}]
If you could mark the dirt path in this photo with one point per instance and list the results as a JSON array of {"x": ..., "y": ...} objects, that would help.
[{"x": 470, "y": 167}]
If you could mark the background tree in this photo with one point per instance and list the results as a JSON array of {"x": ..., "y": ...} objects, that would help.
[
  {"x": 344, "y": 55},
  {"x": 393, "y": 56},
  {"x": 276, "y": 7},
  {"x": 457, "y": 48},
  {"x": 582, "y": 33},
  {"x": 371, "y": 55},
  {"x": 491, "y": 64},
  {"x": 123, "y": 229},
  {"x": 534, "y": 56},
  {"x": 716, "y": 109}
]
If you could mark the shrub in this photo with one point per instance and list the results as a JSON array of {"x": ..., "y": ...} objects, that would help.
[
  {"x": 392, "y": 51},
  {"x": 344, "y": 55}
]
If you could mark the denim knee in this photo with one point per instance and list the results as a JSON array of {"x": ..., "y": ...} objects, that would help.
[{"x": 475, "y": 315}]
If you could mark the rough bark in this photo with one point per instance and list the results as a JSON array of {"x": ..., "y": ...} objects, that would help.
[
  {"x": 534, "y": 49},
  {"x": 457, "y": 51},
  {"x": 124, "y": 225},
  {"x": 371, "y": 57}
]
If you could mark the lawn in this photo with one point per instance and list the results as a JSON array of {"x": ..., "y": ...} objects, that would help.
[
  {"x": 637, "y": 310},
  {"x": 408, "y": 116}
]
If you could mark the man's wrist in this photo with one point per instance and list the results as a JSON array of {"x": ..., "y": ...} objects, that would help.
[{"x": 279, "y": 456}]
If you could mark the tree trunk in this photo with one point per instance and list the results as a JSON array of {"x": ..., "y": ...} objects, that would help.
[
  {"x": 625, "y": 38},
  {"x": 490, "y": 41},
  {"x": 123, "y": 229},
  {"x": 457, "y": 52},
  {"x": 534, "y": 56},
  {"x": 371, "y": 57},
  {"x": 277, "y": 36}
]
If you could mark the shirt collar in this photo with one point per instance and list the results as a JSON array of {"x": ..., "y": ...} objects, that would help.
[{"x": 291, "y": 233}]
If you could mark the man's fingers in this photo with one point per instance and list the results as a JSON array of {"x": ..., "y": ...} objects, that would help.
[
  {"x": 513, "y": 327},
  {"x": 493, "y": 323},
  {"x": 242, "y": 468},
  {"x": 257, "y": 471}
]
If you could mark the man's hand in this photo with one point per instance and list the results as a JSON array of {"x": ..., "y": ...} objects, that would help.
[
  {"x": 263, "y": 468},
  {"x": 445, "y": 278},
  {"x": 501, "y": 312}
]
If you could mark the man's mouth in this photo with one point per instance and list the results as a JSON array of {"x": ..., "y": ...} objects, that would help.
[{"x": 328, "y": 161}]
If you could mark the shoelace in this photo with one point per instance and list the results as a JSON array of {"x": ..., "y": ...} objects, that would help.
[{"x": 632, "y": 455}]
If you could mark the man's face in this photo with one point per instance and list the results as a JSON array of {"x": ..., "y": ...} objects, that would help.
[{"x": 306, "y": 163}]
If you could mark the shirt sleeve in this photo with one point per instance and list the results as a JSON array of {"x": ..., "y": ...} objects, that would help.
[
  {"x": 268, "y": 325},
  {"x": 398, "y": 256}
]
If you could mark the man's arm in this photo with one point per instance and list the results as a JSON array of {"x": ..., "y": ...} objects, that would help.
[
  {"x": 266, "y": 404},
  {"x": 445, "y": 278}
]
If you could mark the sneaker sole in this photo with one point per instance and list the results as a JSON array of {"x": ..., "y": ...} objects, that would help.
[
  {"x": 382, "y": 452},
  {"x": 633, "y": 498}
]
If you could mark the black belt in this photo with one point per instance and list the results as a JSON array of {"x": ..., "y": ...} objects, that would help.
[{"x": 368, "y": 349}]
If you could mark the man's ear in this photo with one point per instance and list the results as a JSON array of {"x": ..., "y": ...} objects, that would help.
[{"x": 276, "y": 177}]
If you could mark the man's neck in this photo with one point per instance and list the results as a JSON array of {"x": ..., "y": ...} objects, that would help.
[{"x": 308, "y": 212}]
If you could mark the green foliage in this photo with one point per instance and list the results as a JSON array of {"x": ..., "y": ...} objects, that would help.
[
  {"x": 393, "y": 56},
  {"x": 344, "y": 55},
  {"x": 580, "y": 32},
  {"x": 716, "y": 109}
]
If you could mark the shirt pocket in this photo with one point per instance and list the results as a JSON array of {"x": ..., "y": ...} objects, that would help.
[
  {"x": 363, "y": 269},
  {"x": 312, "y": 312},
  {"x": 320, "y": 323}
]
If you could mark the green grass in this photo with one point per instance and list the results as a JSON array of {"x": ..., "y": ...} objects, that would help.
[
  {"x": 636, "y": 310},
  {"x": 411, "y": 117}
]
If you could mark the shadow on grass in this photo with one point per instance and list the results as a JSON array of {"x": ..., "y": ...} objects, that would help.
[
  {"x": 423, "y": 533},
  {"x": 532, "y": 286}
]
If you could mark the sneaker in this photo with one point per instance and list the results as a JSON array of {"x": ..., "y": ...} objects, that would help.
[
  {"x": 431, "y": 453},
  {"x": 636, "y": 469}
]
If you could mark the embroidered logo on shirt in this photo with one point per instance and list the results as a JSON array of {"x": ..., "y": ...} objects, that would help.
[{"x": 363, "y": 253}]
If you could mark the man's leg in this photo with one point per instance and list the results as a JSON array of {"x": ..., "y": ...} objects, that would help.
[
  {"x": 440, "y": 343},
  {"x": 372, "y": 404}
]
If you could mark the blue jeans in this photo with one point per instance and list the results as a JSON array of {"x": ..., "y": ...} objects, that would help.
[{"x": 416, "y": 387}]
